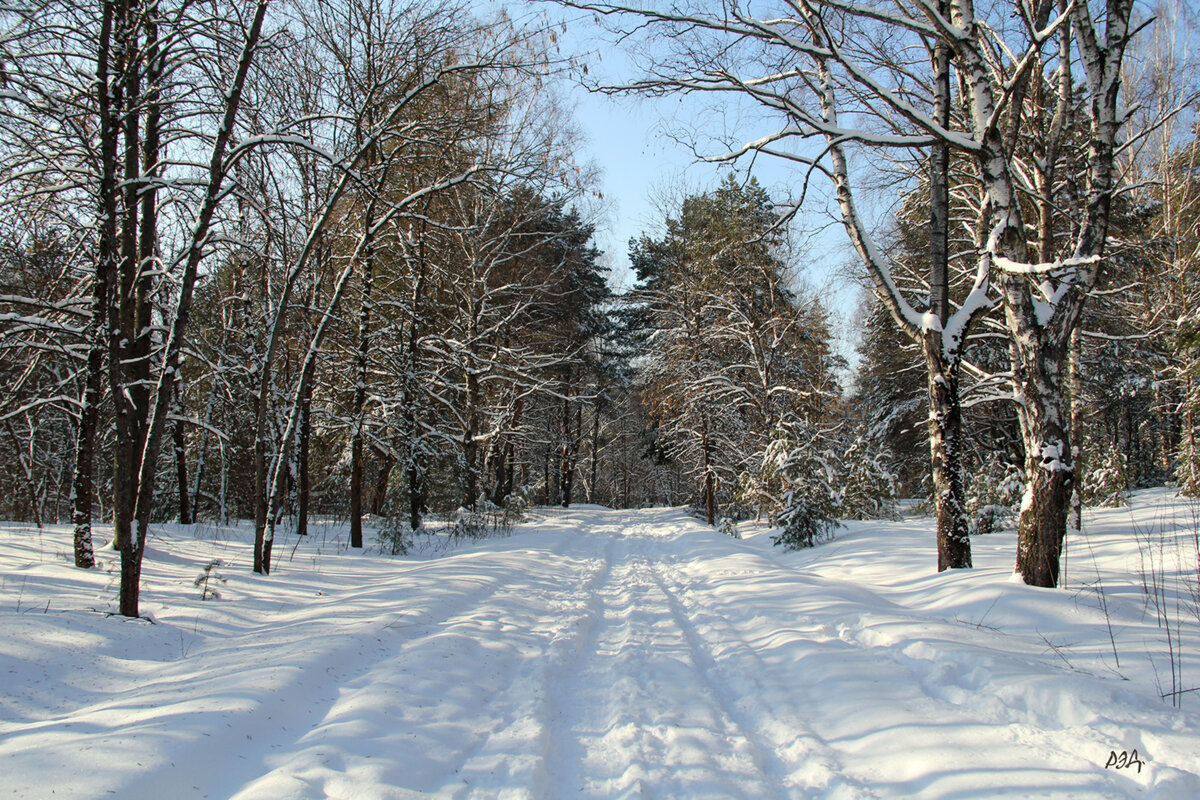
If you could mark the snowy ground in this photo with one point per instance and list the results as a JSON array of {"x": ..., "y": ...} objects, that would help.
[{"x": 603, "y": 654}]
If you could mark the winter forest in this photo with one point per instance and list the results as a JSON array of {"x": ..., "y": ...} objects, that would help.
[{"x": 294, "y": 266}]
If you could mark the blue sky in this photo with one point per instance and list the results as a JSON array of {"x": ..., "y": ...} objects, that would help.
[{"x": 628, "y": 139}]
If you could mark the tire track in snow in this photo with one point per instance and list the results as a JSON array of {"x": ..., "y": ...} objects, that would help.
[
  {"x": 838, "y": 657},
  {"x": 439, "y": 657},
  {"x": 798, "y": 758},
  {"x": 636, "y": 714},
  {"x": 522, "y": 735}
]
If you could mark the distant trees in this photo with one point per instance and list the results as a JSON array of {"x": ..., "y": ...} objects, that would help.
[
  {"x": 731, "y": 348},
  {"x": 1176, "y": 219}
]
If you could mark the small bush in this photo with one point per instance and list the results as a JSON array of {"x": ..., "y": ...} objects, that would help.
[
  {"x": 394, "y": 537},
  {"x": 516, "y": 507},
  {"x": 867, "y": 485},
  {"x": 469, "y": 525},
  {"x": 994, "y": 497},
  {"x": 728, "y": 526},
  {"x": 804, "y": 525},
  {"x": 1107, "y": 483},
  {"x": 800, "y": 461},
  {"x": 204, "y": 581}
]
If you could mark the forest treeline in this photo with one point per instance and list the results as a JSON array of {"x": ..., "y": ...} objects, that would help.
[{"x": 335, "y": 257}]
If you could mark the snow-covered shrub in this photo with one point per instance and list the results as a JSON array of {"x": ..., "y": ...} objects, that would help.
[
  {"x": 728, "y": 526},
  {"x": 799, "y": 462},
  {"x": 485, "y": 520},
  {"x": 805, "y": 524},
  {"x": 993, "y": 497},
  {"x": 811, "y": 478},
  {"x": 469, "y": 524},
  {"x": 1107, "y": 481},
  {"x": 867, "y": 485},
  {"x": 394, "y": 537},
  {"x": 1187, "y": 466},
  {"x": 754, "y": 492},
  {"x": 516, "y": 507}
]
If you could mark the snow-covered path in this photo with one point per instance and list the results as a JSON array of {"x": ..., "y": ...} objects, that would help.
[
  {"x": 639, "y": 711},
  {"x": 602, "y": 654}
]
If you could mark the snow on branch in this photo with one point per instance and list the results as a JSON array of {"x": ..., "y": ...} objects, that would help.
[{"x": 1011, "y": 267}]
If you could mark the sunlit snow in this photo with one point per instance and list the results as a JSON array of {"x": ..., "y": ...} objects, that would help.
[{"x": 601, "y": 654}]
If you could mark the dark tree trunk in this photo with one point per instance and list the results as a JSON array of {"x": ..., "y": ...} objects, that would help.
[
  {"x": 470, "y": 444},
  {"x": 356, "y": 481},
  {"x": 505, "y": 461},
  {"x": 945, "y": 407},
  {"x": 591, "y": 488},
  {"x": 181, "y": 473},
  {"x": 710, "y": 482},
  {"x": 303, "y": 483},
  {"x": 129, "y": 368},
  {"x": 134, "y": 478},
  {"x": 304, "y": 428},
  {"x": 380, "y": 487},
  {"x": 710, "y": 495},
  {"x": 510, "y": 469},
  {"x": 415, "y": 468},
  {"x": 566, "y": 457},
  {"x": 83, "y": 483},
  {"x": 416, "y": 495},
  {"x": 945, "y": 456},
  {"x": 360, "y": 387},
  {"x": 939, "y": 188},
  {"x": 261, "y": 564}
]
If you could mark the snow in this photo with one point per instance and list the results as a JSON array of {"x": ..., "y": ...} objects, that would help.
[{"x": 601, "y": 654}]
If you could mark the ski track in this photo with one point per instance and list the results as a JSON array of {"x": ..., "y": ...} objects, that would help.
[
  {"x": 638, "y": 686},
  {"x": 604, "y": 655}
]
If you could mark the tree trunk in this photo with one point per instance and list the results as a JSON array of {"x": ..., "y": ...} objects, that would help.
[
  {"x": 939, "y": 188},
  {"x": 942, "y": 346},
  {"x": 360, "y": 387},
  {"x": 304, "y": 427},
  {"x": 566, "y": 456},
  {"x": 1075, "y": 380},
  {"x": 181, "y": 473},
  {"x": 85, "y": 438},
  {"x": 356, "y": 482},
  {"x": 710, "y": 493},
  {"x": 380, "y": 486},
  {"x": 1049, "y": 473},
  {"x": 416, "y": 494},
  {"x": 135, "y": 477},
  {"x": 303, "y": 483},
  {"x": 128, "y": 338},
  {"x": 945, "y": 457},
  {"x": 260, "y": 478},
  {"x": 710, "y": 488},
  {"x": 591, "y": 489},
  {"x": 945, "y": 407},
  {"x": 470, "y": 444}
]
